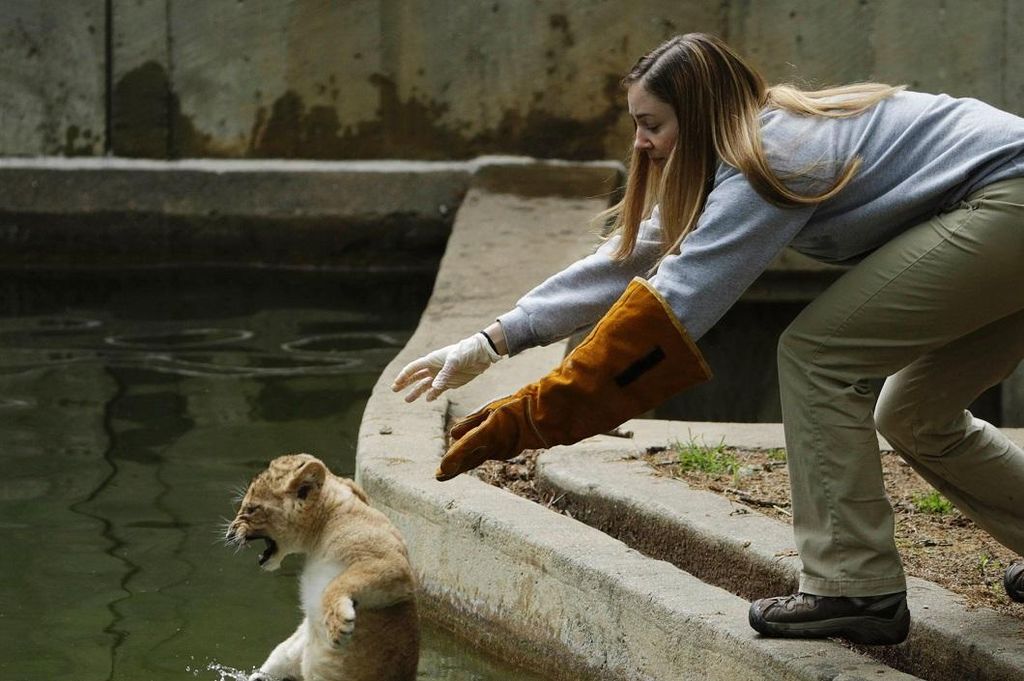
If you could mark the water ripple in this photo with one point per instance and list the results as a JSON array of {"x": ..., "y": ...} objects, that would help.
[
  {"x": 60, "y": 324},
  {"x": 186, "y": 338},
  {"x": 332, "y": 344},
  {"x": 15, "y": 403}
]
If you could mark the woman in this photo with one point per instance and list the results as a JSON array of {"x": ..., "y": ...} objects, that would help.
[{"x": 924, "y": 193}]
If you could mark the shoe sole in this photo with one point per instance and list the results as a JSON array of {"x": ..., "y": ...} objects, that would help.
[{"x": 871, "y": 631}]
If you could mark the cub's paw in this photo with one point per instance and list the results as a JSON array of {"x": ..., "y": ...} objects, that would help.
[{"x": 340, "y": 621}]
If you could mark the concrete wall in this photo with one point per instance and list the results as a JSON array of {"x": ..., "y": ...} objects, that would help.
[
  {"x": 433, "y": 79},
  {"x": 53, "y": 81},
  {"x": 106, "y": 213}
]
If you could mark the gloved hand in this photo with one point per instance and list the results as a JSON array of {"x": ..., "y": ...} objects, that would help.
[
  {"x": 450, "y": 367},
  {"x": 637, "y": 356}
]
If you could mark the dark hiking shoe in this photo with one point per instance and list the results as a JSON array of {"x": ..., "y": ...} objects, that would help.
[
  {"x": 870, "y": 620},
  {"x": 1013, "y": 580}
]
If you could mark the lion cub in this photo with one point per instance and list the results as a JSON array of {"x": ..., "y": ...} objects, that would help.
[{"x": 357, "y": 589}]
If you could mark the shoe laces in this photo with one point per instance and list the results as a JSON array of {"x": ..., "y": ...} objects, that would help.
[{"x": 794, "y": 601}]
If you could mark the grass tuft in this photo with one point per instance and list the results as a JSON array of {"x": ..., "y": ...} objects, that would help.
[
  {"x": 933, "y": 502},
  {"x": 701, "y": 457}
]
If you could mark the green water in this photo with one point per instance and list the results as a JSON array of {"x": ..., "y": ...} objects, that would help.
[{"x": 131, "y": 406}]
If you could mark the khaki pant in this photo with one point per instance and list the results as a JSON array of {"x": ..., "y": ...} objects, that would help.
[{"x": 939, "y": 310}]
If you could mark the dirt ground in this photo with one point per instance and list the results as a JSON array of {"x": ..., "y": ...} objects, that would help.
[{"x": 936, "y": 541}]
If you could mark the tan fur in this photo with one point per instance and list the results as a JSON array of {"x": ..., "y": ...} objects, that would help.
[{"x": 357, "y": 587}]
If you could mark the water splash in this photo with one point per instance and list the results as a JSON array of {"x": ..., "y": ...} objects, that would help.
[{"x": 226, "y": 673}]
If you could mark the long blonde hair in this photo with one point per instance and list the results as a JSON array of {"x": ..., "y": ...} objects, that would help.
[{"x": 718, "y": 98}]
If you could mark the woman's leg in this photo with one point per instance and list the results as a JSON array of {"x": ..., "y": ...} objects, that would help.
[
  {"x": 939, "y": 281},
  {"x": 922, "y": 412}
]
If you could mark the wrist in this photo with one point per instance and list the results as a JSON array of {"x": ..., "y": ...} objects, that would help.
[
  {"x": 490, "y": 341},
  {"x": 496, "y": 338}
]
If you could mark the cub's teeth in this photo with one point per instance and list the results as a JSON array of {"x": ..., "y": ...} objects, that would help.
[{"x": 269, "y": 551}]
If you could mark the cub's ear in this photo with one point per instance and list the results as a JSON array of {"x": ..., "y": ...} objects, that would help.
[
  {"x": 307, "y": 482},
  {"x": 357, "y": 490}
]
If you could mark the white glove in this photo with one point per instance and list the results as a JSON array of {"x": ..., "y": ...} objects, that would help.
[{"x": 450, "y": 367}]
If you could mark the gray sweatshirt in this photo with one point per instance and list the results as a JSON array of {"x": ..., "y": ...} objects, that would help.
[{"x": 922, "y": 154}]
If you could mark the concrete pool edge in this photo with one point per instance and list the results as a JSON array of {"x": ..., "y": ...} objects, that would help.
[
  {"x": 536, "y": 587},
  {"x": 113, "y": 212}
]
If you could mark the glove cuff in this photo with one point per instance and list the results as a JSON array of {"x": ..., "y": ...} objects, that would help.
[
  {"x": 489, "y": 347},
  {"x": 490, "y": 341}
]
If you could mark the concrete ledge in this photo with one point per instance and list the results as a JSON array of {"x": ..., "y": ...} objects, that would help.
[
  {"x": 548, "y": 592},
  {"x": 115, "y": 213},
  {"x": 531, "y": 585},
  {"x": 602, "y": 484},
  {"x": 273, "y": 188}
]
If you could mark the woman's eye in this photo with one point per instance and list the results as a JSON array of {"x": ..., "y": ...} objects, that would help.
[{"x": 654, "y": 129}]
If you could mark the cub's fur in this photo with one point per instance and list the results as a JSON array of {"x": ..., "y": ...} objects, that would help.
[{"x": 357, "y": 588}]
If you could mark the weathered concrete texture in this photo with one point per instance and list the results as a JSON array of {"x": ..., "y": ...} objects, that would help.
[
  {"x": 52, "y": 77},
  {"x": 530, "y": 78},
  {"x": 103, "y": 213},
  {"x": 600, "y": 483},
  {"x": 936, "y": 46},
  {"x": 142, "y": 104},
  {"x": 432, "y": 79},
  {"x": 367, "y": 79},
  {"x": 513, "y": 577}
]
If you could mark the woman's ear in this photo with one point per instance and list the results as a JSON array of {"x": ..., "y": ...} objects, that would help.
[{"x": 307, "y": 482}]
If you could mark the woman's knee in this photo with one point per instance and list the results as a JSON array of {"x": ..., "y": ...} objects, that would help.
[
  {"x": 795, "y": 346},
  {"x": 894, "y": 416},
  {"x": 917, "y": 423}
]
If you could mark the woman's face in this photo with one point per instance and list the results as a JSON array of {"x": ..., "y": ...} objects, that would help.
[{"x": 656, "y": 124}]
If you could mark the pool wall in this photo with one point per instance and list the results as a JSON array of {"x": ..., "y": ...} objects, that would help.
[{"x": 390, "y": 215}]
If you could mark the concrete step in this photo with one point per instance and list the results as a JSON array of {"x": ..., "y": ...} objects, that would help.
[{"x": 601, "y": 483}]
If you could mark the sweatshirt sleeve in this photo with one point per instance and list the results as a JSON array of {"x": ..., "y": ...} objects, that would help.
[
  {"x": 737, "y": 236},
  {"x": 579, "y": 295}
]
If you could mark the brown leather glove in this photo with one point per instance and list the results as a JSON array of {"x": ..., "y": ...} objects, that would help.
[{"x": 637, "y": 356}]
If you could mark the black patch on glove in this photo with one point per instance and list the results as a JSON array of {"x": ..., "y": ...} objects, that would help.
[{"x": 640, "y": 367}]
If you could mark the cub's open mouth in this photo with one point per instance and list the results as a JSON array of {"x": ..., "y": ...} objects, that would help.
[{"x": 268, "y": 552}]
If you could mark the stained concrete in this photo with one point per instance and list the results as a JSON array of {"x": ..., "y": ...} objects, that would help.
[
  {"x": 52, "y": 77},
  {"x": 437, "y": 79}
]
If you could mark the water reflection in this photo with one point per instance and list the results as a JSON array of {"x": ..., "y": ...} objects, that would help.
[
  {"x": 130, "y": 411},
  {"x": 227, "y": 352}
]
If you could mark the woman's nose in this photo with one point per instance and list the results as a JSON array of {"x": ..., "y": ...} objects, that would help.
[{"x": 641, "y": 141}]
